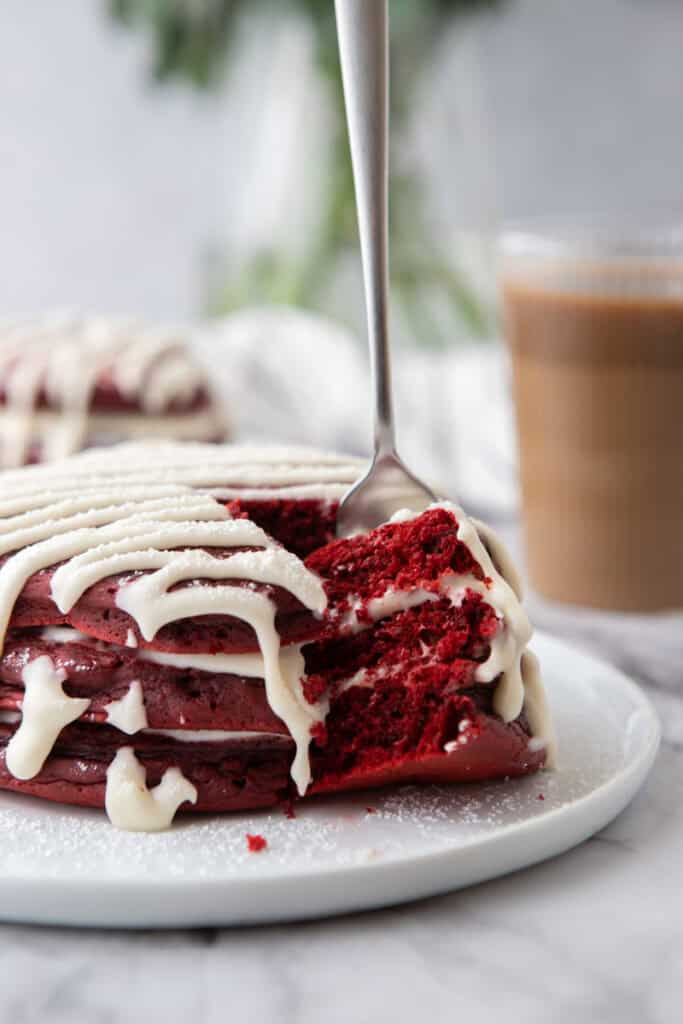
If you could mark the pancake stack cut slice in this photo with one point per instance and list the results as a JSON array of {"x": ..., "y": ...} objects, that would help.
[{"x": 181, "y": 631}]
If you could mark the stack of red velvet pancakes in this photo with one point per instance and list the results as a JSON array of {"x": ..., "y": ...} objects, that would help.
[
  {"x": 181, "y": 631},
  {"x": 70, "y": 382}
]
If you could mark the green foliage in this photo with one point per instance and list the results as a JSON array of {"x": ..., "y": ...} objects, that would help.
[{"x": 191, "y": 40}]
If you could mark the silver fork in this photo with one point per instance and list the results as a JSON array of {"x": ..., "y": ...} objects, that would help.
[{"x": 362, "y": 27}]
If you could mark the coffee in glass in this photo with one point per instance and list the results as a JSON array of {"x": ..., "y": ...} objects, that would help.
[{"x": 594, "y": 323}]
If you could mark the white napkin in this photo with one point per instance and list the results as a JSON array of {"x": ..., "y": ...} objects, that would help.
[{"x": 293, "y": 376}]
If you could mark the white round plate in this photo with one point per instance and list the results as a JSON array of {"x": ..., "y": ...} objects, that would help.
[{"x": 69, "y": 866}]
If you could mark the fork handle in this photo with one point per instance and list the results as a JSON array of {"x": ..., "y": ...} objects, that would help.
[{"x": 362, "y": 27}]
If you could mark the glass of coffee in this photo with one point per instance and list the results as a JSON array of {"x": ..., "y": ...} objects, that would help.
[{"x": 594, "y": 324}]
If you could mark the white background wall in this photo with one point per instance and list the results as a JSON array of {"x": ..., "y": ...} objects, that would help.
[
  {"x": 581, "y": 104},
  {"x": 112, "y": 191},
  {"x": 106, "y": 185}
]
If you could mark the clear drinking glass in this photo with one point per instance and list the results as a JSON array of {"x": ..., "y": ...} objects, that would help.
[{"x": 594, "y": 324}]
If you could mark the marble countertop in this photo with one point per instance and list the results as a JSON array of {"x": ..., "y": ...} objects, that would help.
[{"x": 595, "y": 935}]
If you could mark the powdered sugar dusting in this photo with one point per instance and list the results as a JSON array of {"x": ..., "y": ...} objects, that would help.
[{"x": 54, "y": 842}]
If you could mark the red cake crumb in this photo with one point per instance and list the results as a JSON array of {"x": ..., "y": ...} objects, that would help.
[
  {"x": 319, "y": 733},
  {"x": 256, "y": 843},
  {"x": 371, "y": 810},
  {"x": 540, "y": 796},
  {"x": 391, "y": 721}
]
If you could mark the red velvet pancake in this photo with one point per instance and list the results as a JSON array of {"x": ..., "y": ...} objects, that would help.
[
  {"x": 96, "y": 615},
  {"x": 69, "y": 382},
  {"x": 402, "y": 652}
]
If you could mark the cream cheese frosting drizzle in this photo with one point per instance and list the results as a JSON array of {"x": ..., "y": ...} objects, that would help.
[
  {"x": 214, "y": 735},
  {"x": 537, "y": 710},
  {"x": 45, "y": 710},
  {"x": 64, "y": 358},
  {"x": 226, "y": 471},
  {"x": 509, "y": 643},
  {"x": 157, "y": 536},
  {"x": 131, "y": 806},
  {"x": 170, "y": 543},
  {"x": 128, "y": 712}
]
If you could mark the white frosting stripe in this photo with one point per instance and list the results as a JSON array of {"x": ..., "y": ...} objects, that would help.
[
  {"x": 199, "y": 736},
  {"x": 214, "y": 468},
  {"x": 60, "y": 519},
  {"x": 214, "y": 735},
  {"x": 250, "y": 666}
]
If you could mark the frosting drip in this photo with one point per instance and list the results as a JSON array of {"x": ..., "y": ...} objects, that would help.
[
  {"x": 171, "y": 541},
  {"x": 537, "y": 710},
  {"x": 128, "y": 713},
  {"x": 214, "y": 735},
  {"x": 519, "y": 686},
  {"x": 130, "y": 805},
  {"x": 45, "y": 711},
  {"x": 515, "y": 631},
  {"x": 163, "y": 531}
]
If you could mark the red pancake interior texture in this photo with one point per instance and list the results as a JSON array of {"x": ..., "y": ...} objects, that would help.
[
  {"x": 405, "y": 700},
  {"x": 398, "y": 556},
  {"x": 301, "y": 526},
  {"x": 416, "y": 689}
]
